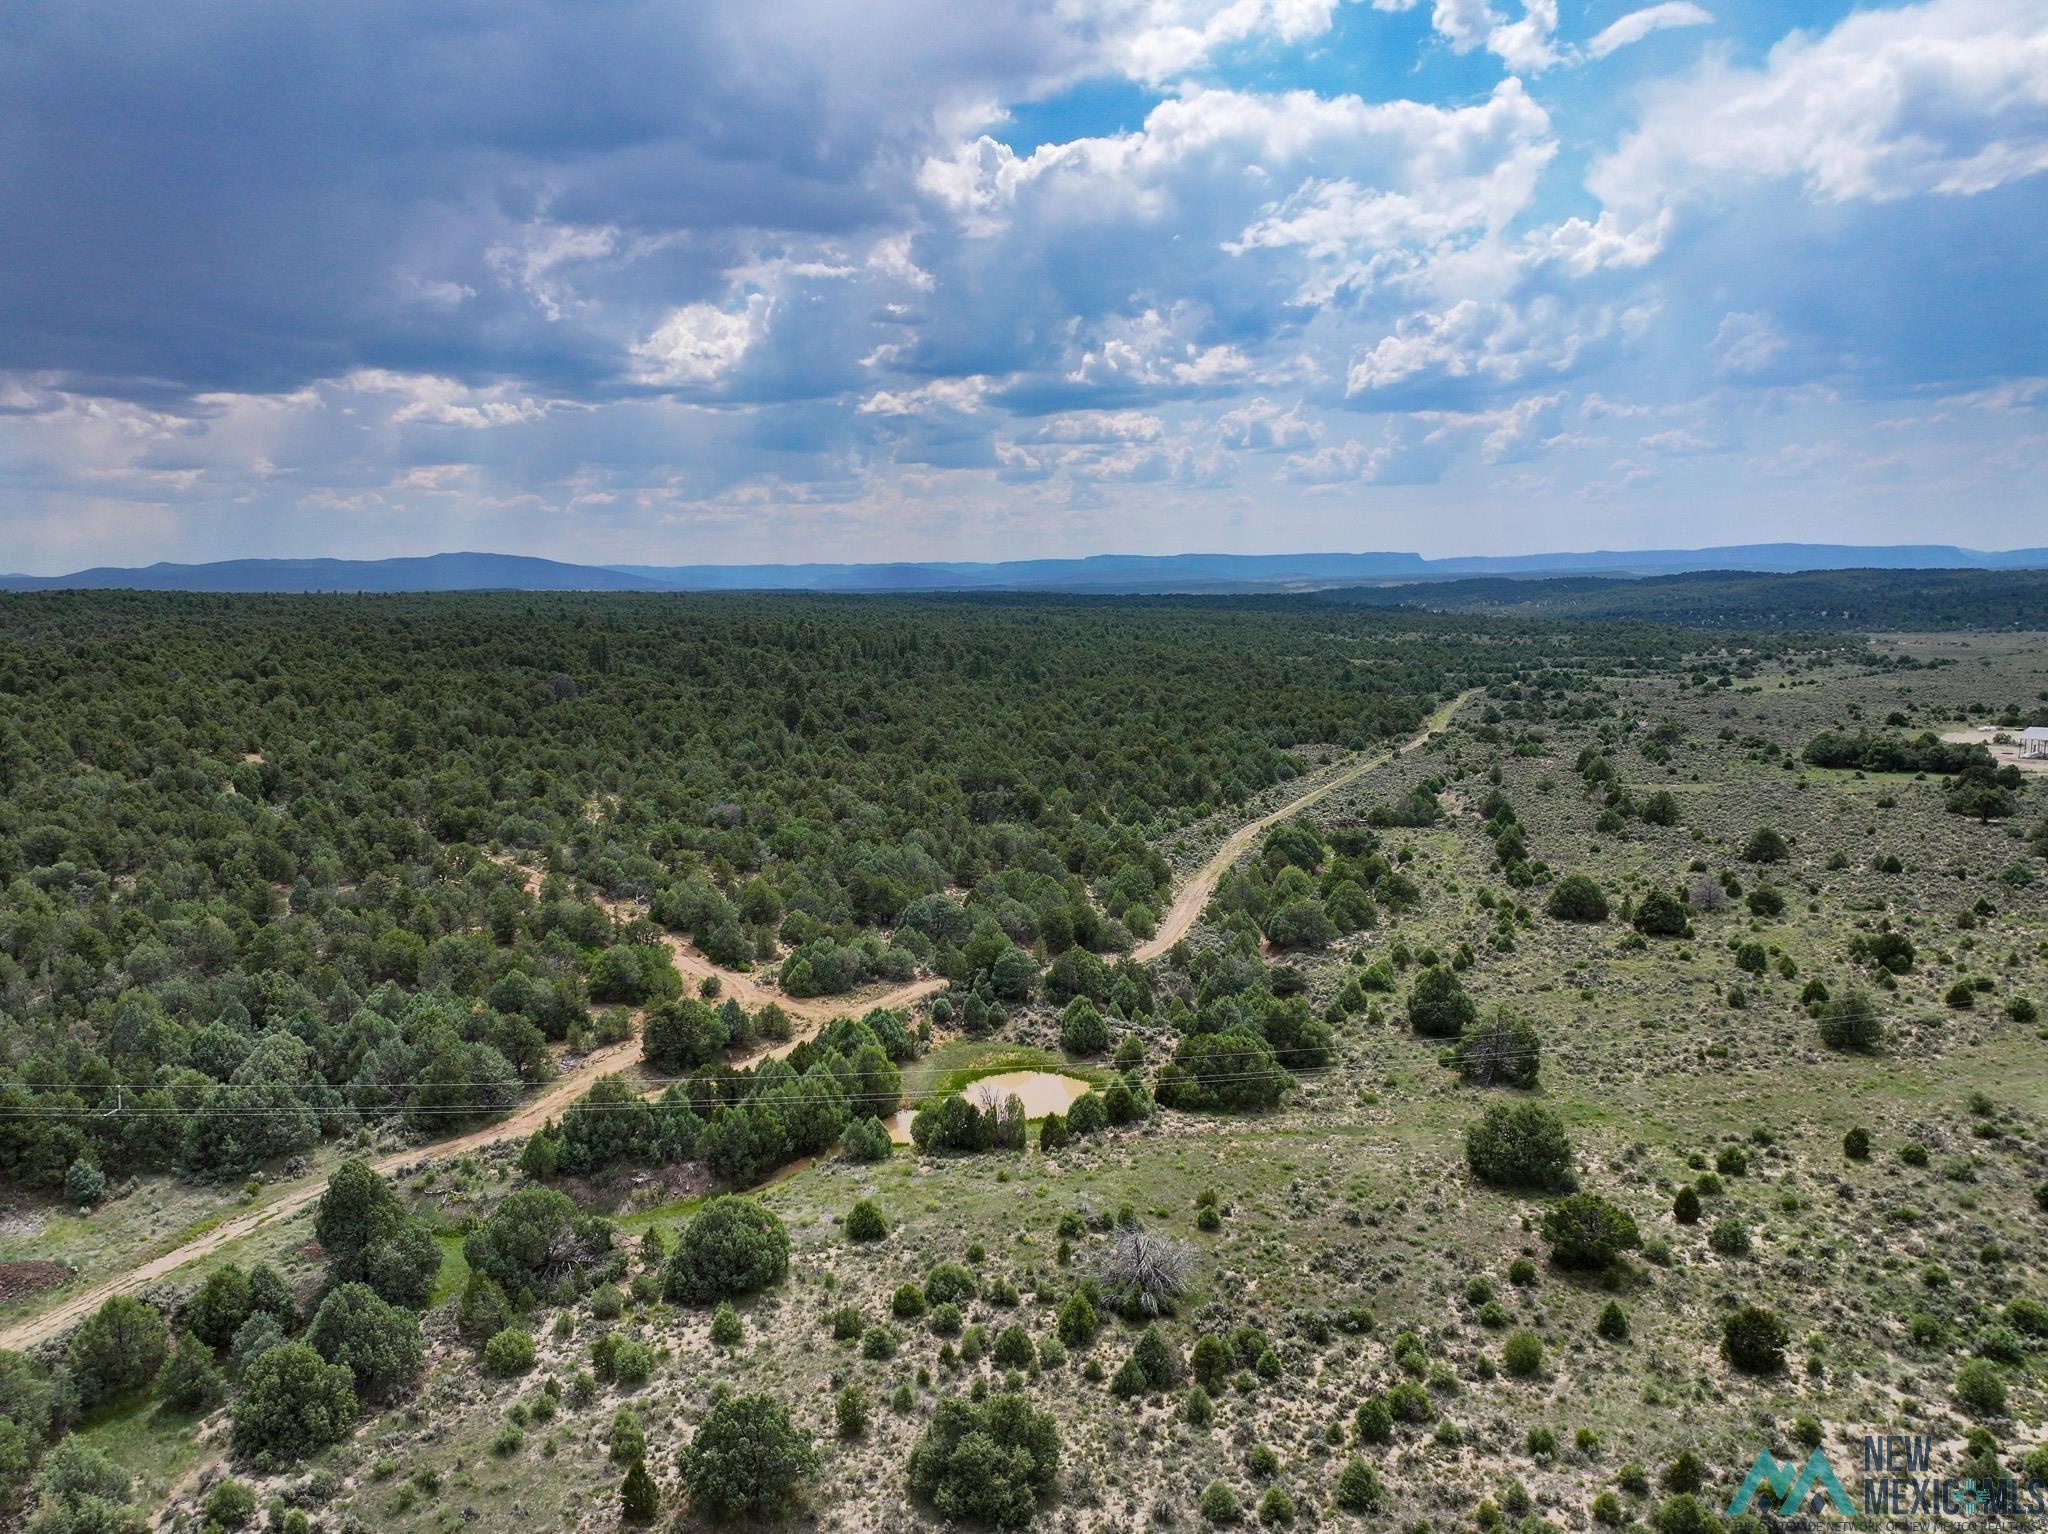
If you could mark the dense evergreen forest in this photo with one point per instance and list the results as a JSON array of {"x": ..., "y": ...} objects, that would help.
[{"x": 257, "y": 850}]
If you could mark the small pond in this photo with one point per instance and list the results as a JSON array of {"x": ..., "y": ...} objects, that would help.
[{"x": 1041, "y": 1092}]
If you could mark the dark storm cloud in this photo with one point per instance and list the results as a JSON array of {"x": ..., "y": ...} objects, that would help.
[{"x": 245, "y": 196}]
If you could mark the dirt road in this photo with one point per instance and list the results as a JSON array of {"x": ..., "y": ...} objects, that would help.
[
  {"x": 749, "y": 990},
  {"x": 290, "y": 1198},
  {"x": 814, "y": 1013},
  {"x": 1193, "y": 897}
]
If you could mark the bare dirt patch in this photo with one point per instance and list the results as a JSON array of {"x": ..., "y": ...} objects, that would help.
[
  {"x": 19, "y": 1280},
  {"x": 2002, "y": 743}
]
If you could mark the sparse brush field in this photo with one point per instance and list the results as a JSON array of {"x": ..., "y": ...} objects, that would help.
[{"x": 1797, "y": 1056}]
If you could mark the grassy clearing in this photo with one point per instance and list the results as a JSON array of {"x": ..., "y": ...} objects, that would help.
[{"x": 158, "y": 1447}]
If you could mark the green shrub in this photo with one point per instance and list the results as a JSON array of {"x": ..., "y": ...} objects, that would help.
[
  {"x": 632, "y": 1363},
  {"x": 1522, "y": 1354},
  {"x": 230, "y": 1504},
  {"x": 1211, "y": 1360},
  {"x": 1013, "y": 1348},
  {"x": 483, "y": 1311},
  {"x": 1684, "y": 1514},
  {"x": 1082, "y": 1030},
  {"x": 907, "y": 1303},
  {"x": 369, "y": 1238},
  {"x": 85, "y": 1185},
  {"x": 1850, "y": 1020},
  {"x": 1159, "y": 1359},
  {"x": 948, "y": 1283},
  {"x": 1373, "y": 1422},
  {"x": 1500, "y": 1050},
  {"x": 1576, "y": 897},
  {"x": 993, "y": 1463},
  {"x": 1078, "y": 1321},
  {"x": 1218, "y": 1505},
  {"x": 1730, "y": 1238},
  {"x": 850, "y": 1412},
  {"x": 734, "y": 1247},
  {"x": 1586, "y": 1231},
  {"x": 2028, "y": 1316},
  {"x": 866, "y": 1222},
  {"x": 510, "y": 1352},
  {"x": 187, "y": 1382},
  {"x": 1662, "y": 914},
  {"x": 379, "y": 1344},
  {"x": 1438, "y": 1007},
  {"x": 119, "y": 1348},
  {"x": 1129, "y": 1380},
  {"x": 639, "y": 1498},
  {"x": 1358, "y": 1487},
  {"x": 1754, "y": 1340},
  {"x": 219, "y": 1306},
  {"x": 1276, "y": 1507},
  {"x": 626, "y": 1439},
  {"x": 1409, "y": 1402},
  {"x": 529, "y": 1232},
  {"x": 747, "y": 1458},
  {"x": 1519, "y": 1145},
  {"x": 2001, "y": 1344},
  {"x": 1765, "y": 846},
  {"x": 293, "y": 1403},
  {"x": 865, "y": 1140},
  {"x": 1980, "y": 1388}
]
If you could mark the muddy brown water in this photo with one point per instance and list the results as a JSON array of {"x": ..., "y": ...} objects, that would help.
[{"x": 1041, "y": 1092}]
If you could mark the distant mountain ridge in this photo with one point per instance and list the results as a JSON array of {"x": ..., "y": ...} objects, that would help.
[
  {"x": 1100, "y": 573},
  {"x": 430, "y": 572}
]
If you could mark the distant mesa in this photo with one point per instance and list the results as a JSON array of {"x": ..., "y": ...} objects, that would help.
[{"x": 1104, "y": 574}]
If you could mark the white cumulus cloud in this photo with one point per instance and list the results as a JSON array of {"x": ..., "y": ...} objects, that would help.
[
  {"x": 1637, "y": 25},
  {"x": 700, "y": 343}
]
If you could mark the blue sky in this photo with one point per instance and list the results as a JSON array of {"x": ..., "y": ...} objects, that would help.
[{"x": 740, "y": 281}]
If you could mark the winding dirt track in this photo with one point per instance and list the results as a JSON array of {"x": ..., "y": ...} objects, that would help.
[
  {"x": 294, "y": 1196},
  {"x": 1193, "y": 897},
  {"x": 1188, "y": 904},
  {"x": 749, "y": 990}
]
